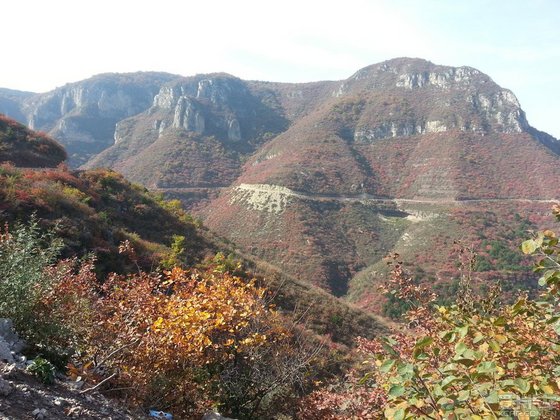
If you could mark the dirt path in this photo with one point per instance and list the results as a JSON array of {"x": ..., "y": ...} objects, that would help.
[{"x": 266, "y": 188}]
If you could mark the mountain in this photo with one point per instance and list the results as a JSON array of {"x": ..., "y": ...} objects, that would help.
[
  {"x": 95, "y": 211},
  {"x": 11, "y": 101},
  {"x": 83, "y": 115},
  {"x": 324, "y": 179},
  {"x": 24, "y": 147},
  {"x": 405, "y": 156},
  {"x": 201, "y": 129}
]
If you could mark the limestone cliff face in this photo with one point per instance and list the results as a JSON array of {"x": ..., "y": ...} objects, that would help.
[
  {"x": 83, "y": 115},
  {"x": 218, "y": 105},
  {"x": 434, "y": 99},
  {"x": 196, "y": 133}
]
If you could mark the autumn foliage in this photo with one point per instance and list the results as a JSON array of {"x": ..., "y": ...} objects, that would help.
[
  {"x": 165, "y": 338},
  {"x": 476, "y": 358},
  {"x": 184, "y": 340}
]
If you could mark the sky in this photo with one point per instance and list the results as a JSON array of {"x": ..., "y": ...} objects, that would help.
[{"x": 516, "y": 42}]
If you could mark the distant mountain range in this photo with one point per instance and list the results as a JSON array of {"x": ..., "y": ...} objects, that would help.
[{"x": 324, "y": 179}]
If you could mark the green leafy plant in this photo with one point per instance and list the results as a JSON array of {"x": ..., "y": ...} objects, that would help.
[
  {"x": 42, "y": 369},
  {"x": 475, "y": 358},
  {"x": 25, "y": 253}
]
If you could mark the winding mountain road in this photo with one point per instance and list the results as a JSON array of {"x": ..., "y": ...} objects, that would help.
[{"x": 358, "y": 198}]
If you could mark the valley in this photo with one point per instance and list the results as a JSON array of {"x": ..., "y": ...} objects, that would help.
[{"x": 321, "y": 179}]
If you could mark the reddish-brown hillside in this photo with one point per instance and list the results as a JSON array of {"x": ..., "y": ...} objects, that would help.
[
  {"x": 391, "y": 162},
  {"x": 24, "y": 147}
]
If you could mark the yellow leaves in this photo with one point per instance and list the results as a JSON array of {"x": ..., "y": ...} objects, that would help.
[
  {"x": 220, "y": 320},
  {"x": 247, "y": 341},
  {"x": 502, "y": 339},
  {"x": 254, "y": 340},
  {"x": 547, "y": 389},
  {"x": 178, "y": 322},
  {"x": 204, "y": 315},
  {"x": 157, "y": 324}
]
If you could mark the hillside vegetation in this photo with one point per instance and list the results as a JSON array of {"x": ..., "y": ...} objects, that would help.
[
  {"x": 476, "y": 357},
  {"x": 116, "y": 255},
  {"x": 24, "y": 147}
]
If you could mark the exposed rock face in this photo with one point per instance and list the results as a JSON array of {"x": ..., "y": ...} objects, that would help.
[
  {"x": 217, "y": 106},
  {"x": 261, "y": 197},
  {"x": 441, "y": 79},
  {"x": 460, "y": 98},
  {"x": 187, "y": 116},
  {"x": 397, "y": 129},
  {"x": 201, "y": 128},
  {"x": 234, "y": 130},
  {"x": 83, "y": 115}
]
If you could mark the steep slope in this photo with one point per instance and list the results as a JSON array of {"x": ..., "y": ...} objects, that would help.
[
  {"x": 95, "y": 211},
  {"x": 24, "y": 147}
]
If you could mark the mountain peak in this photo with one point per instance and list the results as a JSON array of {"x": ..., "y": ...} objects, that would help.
[{"x": 417, "y": 72}]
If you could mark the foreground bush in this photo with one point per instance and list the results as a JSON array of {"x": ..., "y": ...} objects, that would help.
[
  {"x": 25, "y": 254},
  {"x": 185, "y": 340},
  {"x": 474, "y": 359}
]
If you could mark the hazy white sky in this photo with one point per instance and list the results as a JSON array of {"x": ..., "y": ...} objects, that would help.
[{"x": 517, "y": 42}]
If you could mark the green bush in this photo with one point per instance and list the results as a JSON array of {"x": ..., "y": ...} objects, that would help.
[
  {"x": 42, "y": 369},
  {"x": 25, "y": 253}
]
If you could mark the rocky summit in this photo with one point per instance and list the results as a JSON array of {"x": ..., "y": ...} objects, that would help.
[{"x": 324, "y": 179}]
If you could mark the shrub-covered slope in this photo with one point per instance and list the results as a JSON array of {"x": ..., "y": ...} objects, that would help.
[
  {"x": 96, "y": 211},
  {"x": 24, "y": 147}
]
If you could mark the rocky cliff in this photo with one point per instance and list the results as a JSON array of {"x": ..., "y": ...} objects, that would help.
[
  {"x": 83, "y": 115},
  {"x": 196, "y": 133}
]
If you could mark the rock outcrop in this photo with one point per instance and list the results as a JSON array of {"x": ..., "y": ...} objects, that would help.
[{"x": 83, "y": 115}]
